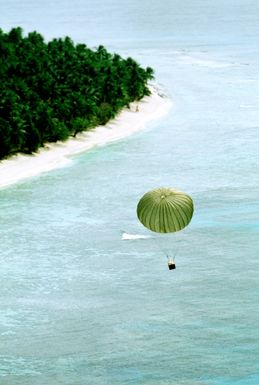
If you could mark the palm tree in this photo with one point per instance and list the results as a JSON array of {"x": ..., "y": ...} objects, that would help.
[{"x": 51, "y": 90}]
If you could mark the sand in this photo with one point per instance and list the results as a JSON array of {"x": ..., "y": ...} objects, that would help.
[{"x": 59, "y": 154}]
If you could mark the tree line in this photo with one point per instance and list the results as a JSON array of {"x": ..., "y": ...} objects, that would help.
[{"x": 52, "y": 90}]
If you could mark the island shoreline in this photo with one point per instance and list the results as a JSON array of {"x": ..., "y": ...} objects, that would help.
[{"x": 55, "y": 155}]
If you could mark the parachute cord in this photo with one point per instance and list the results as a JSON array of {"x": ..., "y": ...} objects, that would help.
[
  {"x": 175, "y": 253},
  {"x": 164, "y": 251},
  {"x": 159, "y": 248}
]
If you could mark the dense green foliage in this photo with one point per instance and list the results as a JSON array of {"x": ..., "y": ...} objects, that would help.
[{"x": 52, "y": 90}]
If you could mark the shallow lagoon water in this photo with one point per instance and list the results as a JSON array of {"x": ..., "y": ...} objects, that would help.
[{"x": 79, "y": 305}]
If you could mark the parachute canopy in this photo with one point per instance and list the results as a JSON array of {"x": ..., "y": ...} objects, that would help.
[{"x": 165, "y": 210}]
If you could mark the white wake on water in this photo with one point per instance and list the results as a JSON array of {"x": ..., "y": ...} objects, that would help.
[{"x": 126, "y": 236}]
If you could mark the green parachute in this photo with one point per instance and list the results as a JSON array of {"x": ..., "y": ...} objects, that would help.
[{"x": 165, "y": 210}]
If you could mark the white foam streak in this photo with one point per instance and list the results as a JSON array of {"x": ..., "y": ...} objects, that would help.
[{"x": 126, "y": 236}]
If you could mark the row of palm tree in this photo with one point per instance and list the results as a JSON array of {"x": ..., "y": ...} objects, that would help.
[{"x": 51, "y": 90}]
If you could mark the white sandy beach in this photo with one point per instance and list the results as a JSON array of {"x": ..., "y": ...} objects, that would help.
[{"x": 54, "y": 155}]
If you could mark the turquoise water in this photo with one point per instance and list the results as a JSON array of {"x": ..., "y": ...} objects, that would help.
[{"x": 80, "y": 306}]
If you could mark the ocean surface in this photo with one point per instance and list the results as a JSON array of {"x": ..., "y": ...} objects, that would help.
[{"x": 81, "y": 306}]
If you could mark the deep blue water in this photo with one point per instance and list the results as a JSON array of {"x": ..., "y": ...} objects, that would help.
[{"x": 80, "y": 306}]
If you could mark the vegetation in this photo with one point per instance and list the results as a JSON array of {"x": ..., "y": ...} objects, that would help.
[{"x": 52, "y": 90}]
